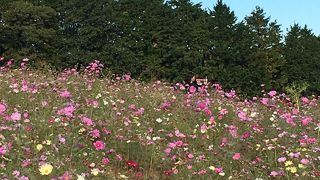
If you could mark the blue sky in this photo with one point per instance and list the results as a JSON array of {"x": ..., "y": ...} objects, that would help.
[{"x": 286, "y": 12}]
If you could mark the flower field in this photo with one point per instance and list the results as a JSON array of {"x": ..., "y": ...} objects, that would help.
[{"x": 74, "y": 125}]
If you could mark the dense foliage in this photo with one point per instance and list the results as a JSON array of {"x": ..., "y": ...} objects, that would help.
[{"x": 157, "y": 39}]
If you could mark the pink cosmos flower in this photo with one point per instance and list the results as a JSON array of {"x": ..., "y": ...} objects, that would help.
[
  {"x": 65, "y": 94},
  {"x": 99, "y": 145},
  {"x": 305, "y": 100},
  {"x": 62, "y": 140},
  {"x": 66, "y": 176},
  {"x": 179, "y": 134},
  {"x": 218, "y": 170},
  {"x": 233, "y": 130},
  {"x": 231, "y": 94},
  {"x": 3, "y": 150},
  {"x": 304, "y": 161},
  {"x": 3, "y": 108},
  {"x": 202, "y": 105},
  {"x": 282, "y": 159},
  {"x": 245, "y": 135},
  {"x": 87, "y": 121},
  {"x": 224, "y": 141},
  {"x": 192, "y": 89},
  {"x": 274, "y": 173},
  {"x": 272, "y": 93},
  {"x": 305, "y": 121},
  {"x": 236, "y": 156},
  {"x": 16, "y": 116},
  {"x": 95, "y": 133},
  {"x": 190, "y": 156},
  {"x": 105, "y": 161},
  {"x": 23, "y": 178},
  {"x": 265, "y": 101},
  {"x": 67, "y": 111},
  {"x": 243, "y": 116}
]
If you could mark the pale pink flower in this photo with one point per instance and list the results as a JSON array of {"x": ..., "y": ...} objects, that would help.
[
  {"x": 233, "y": 130},
  {"x": 265, "y": 101},
  {"x": 95, "y": 133},
  {"x": 304, "y": 161},
  {"x": 67, "y": 111},
  {"x": 87, "y": 121},
  {"x": 3, "y": 108},
  {"x": 65, "y": 94},
  {"x": 274, "y": 173},
  {"x": 190, "y": 156},
  {"x": 16, "y": 116},
  {"x": 272, "y": 93},
  {"x": 236, "y": 156},
  {"x": 243, "y": 116},
  {"x": 282, "y": 159},
  {"x": 179, "y": 134}
]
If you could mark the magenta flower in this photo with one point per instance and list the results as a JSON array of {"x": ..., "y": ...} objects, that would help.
[
  {"x": 87, "y": 121},
  {"x": 305, "y": 121},
  {"x": 192, "y": 89},
  {"x": 99, "y": 145},
  {"x": 105, "y": 161},
  {"x": 67, "y": 111},
  {"x": 3, "y": 150}
]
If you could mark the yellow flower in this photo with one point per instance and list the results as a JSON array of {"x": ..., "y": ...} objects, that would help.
[
  {"x": 48, "y": 142},
  {"x": 301, "y": 166},
  {"x": 95, "y": 171},
  {"x": 293, "y": 170},
  {"x": 258, "y": 146},
  {"x": 45, "y": 169},
  {"x": 288, "y": 163},
  {"x": 39, "y": 147},
  {"x": 82, "y": 130},
  {"x": 212, "y": 168}
]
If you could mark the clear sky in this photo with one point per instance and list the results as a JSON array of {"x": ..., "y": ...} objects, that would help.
[{"x": 286, "y": 12}]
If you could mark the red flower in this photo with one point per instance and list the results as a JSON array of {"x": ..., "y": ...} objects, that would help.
[{"x": 133, "y": 164}]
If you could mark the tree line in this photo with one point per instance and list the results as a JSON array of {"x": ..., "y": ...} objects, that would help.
[{"x": 155, "y": 39}]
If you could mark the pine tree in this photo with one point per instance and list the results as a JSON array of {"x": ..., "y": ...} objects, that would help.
[
  {"x": 266, "y": 48},
  {"x": 27, "y": 31}
]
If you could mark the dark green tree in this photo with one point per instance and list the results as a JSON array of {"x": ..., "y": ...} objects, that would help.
[
  {"x": 266, "y": 56},
  {"x": 302, "y": 51},
  {"x": 28, "y": 31},
  {"x": 222, "y": 35}
]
